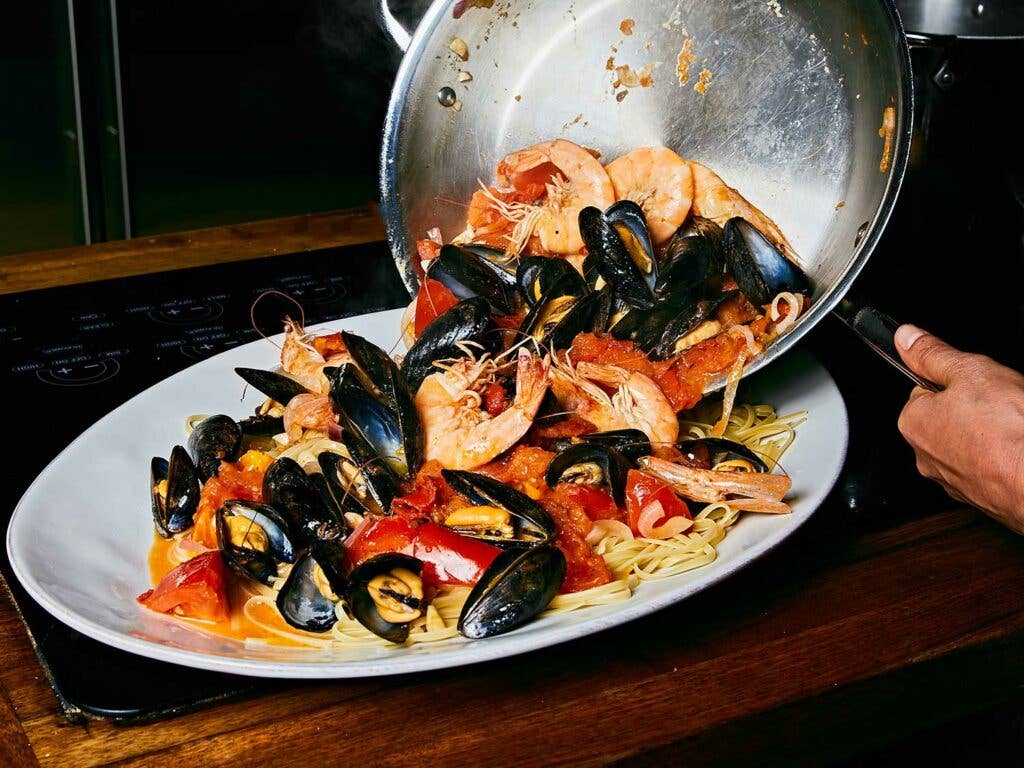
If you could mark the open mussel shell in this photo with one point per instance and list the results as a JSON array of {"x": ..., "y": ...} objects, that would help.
[
  {"x": 468, "y": 275},
  {"x": 530, "y": 522},
  {"x": 261, "y": 425},
  {"x": 517, "y": 586},
  {"x": 537, "y": 275},
  {"x": 631, "y": 443},
  {"x": 620, "y": 256},
  {"x": 301, "y": 600},
  {"x": 213, "y": 440},
  {"x": 278, "y": 387},
  {"x": 711, "y": 452},
  {"x": 385, "y": 595},
  {"x": 760, "y": 269},
  {"x": 629, "y": 221},
  {"x": 666, "y": 333},
  {"x": 253, "y": 538},
  {"x": 393, "y": 440},
  {"x": 468, "y": 320},
  {"x": 498, "y": 258},
  {"x": 174, "y": 491},
  {"x": 366, "y": 490},
  {"x": 591, "y": 464},
  {"x": 287, "y": 488},
  {"x": 694, "y": 265},
  {"x": 560, "y": 316}
]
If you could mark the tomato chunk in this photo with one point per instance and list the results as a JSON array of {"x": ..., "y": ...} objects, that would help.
[
  {"x": 449, "y": 558},
  {"x": 643, "y": 489},
  {"x": 197, "y": 589},
  {"x": 432, "y": 301},
  {"x": 596, "y": 502},
  {"x": 496, "y": 398}
]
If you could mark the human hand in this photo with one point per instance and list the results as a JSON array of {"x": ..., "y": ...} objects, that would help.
[{"x": 969, "y": 437}]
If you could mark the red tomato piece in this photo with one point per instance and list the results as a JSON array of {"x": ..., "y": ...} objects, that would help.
[
  {"x": 329, "y": 345},
  {"x": 596, "y": 502},
  {"x": 495, "y": 398},
  {"x": 378, "y": 535},
  {"x": 197, "y": 589},
  {"x": 427, "y": 249},
  {"x": 421, "y": 501},
  {"x": 432, "y": 301},
  {"x": 641, "y": 490},
  {"x": 449, "y": 558}
]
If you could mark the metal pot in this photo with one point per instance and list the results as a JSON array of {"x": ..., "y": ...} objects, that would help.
[{"x": 792, "y": 116}]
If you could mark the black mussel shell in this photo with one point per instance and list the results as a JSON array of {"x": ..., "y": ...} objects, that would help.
[
  {"x": 287, "y": 488},
  {"x": 531, "y": 522},
  {"x": 173, "y": 511},
  {"x": 374, "y": 423},
  {"x": 468, "y": 320},
  {"x": 631, "y": 443},
  {"x": 668, "y": 330},
  {"x": 278, "y": 387},
  {"x": 323, "y": 490},
  {"x": 247, "y": 560},
  {"x": 591, "y": 464},
  {"x": 614, "y": 260},
  {"x": 631, "y": 325},
  {"x": 261, "y": 426},
  {"x": 517, "y": 586},
  {"x": 362, "y": 605},
  {"x": 559, "y": 317},
  {"x": 537, "y": 275},
  {"x": 214, "y": 439},
  {"x": 694, "y": 266},
  {"x": 629, "y": 221},
  {"x": 709, "y": 452},
  {"x": 378, "y": 485},
  {"x": 502, "y": 260},
  {"x": 381, "y": 375},
  {"x": 301, "y": 602},
  {"x": 467, "y": 275},
  {"x": 761, "y": 271}
]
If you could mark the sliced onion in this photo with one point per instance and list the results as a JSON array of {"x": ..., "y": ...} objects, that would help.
[
  {"x": 748, "y": 335},
  {"x": 795, "y": 306},
  {"x": 651, "y": 514},
  {"x": 409, "y": 325},
  {"x": 729, "y": 398},
  {"x": 604, "y": 528},
  {"x": 334, "y": 431},
  {"x": 434, "y": 234}
]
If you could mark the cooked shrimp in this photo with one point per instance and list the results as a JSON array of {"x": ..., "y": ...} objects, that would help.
[
  {"x": 638, "y": 402},
  {"x": 746, "y": 491},
  {"x": 301, "y": 360},
  {"x": 714, "y": 199},
  {"x": 542, "y": 190},
  {"x": 660, "y": 182},
  {"x": 307, "y": 412},
  {"x": 458, "y": 432}
]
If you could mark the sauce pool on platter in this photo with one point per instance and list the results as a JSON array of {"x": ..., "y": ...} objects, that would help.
[{"x": 540, "y": 447}]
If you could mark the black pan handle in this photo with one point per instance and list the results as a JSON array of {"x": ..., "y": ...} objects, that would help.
[{"x": 877, "y": 330}]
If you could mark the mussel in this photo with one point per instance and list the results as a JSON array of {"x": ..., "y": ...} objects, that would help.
[
  {"x": 631, "y": 443},
  {"x": 559, "y": 316},
  {"x": 379, "y": 433},
  {"x": 500, "y": 514},
  {"x": 760, "y": 269},
  {"x": 722, "y": 454},
  {"x": 517, "y": 586},
  {"x": 668, "y": 333},
  {"x": 537, "y": 275},
  {"x": 367, "y": 488},
  {"x": 253, "y": 539},
  {"x": 278, "y": 387},
  {"x": 694, "y": 265},
  {"x": 467, "y": 275},
  {"x": 306, "y": 600},
  {"x": 174, "y": 492},
  {"x": 287, "y": 488},
  {"x": 468, "y": 320},
  {"x": 591, "y": 464},
  {"x": 213, "y": 440},
  {"x": 385, "y": 595},
  {"x": 620, "y": 245}
]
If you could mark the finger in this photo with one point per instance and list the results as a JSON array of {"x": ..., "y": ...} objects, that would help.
[{"x": 928, "y": 355}]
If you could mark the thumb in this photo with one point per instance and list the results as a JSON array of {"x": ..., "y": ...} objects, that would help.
[{"x": 927, "y": 355}]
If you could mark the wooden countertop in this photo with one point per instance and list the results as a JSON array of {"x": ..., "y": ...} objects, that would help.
[{"x": 856, "y": 631}]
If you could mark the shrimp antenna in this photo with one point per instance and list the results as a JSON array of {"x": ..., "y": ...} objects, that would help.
[{"x": 274, "y": 292}]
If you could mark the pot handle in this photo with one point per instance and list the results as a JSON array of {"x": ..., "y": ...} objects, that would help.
[
  {"x": 392, "y": 27},
  {"x": 877, "y": 330}
]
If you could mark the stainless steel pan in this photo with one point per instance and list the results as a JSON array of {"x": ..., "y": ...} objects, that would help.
[{"x": 792, "y": 115}]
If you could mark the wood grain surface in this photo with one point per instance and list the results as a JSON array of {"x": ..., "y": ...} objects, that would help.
[{"x": 854, "y": 632}]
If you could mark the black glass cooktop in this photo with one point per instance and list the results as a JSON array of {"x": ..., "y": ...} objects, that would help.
[{"x": 72, "y": 354}]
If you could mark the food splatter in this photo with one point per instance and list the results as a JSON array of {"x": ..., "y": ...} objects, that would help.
[
  {"x": 703, "y": 82},
  {"x": 459, "y": 48},
  {"x": 628, "y": 77},
  {"x": 684, "y": 60},
  {"x": 776, "y": 7},
  {"x": 887, "y": 132},
  {"x": 626, "y": 26},
  {"x": 464, "y": 5}
]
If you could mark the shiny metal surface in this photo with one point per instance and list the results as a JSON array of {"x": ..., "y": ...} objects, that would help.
[
  {"x": 972, "y": 19},
  {"x": 791, "y": 117}
]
